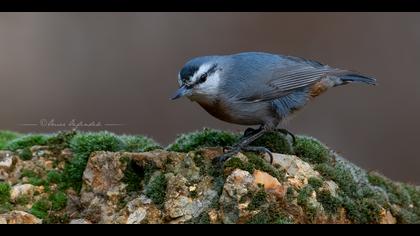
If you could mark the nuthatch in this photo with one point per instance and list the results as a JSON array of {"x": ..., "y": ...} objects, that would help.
[{"x": 255, "y": 88}]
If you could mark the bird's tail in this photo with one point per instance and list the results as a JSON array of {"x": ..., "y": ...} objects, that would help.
[
  {"x": 358, "y": 78},
  {"x": 345, "y": 77}
]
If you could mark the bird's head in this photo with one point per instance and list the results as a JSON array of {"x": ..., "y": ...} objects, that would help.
[{"x": 199, "y": 78}]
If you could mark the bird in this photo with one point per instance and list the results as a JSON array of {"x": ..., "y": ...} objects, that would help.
[{"x": 258, "y": 89}]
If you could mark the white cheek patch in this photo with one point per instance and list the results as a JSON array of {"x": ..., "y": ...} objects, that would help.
[
  {"x": 203, "y": 69},
  {"x": 211, "y": 86}
]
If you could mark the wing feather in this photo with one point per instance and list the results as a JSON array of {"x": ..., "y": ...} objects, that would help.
[{"x": 286, "y": 80}]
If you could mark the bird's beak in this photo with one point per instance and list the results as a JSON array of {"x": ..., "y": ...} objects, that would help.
[{"x": 180, "y": 92}]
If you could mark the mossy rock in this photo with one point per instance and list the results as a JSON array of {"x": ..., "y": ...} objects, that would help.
[
  {"x": 275, "y": 142},
  {"x": 82, "y": 145},
  {"x": 205, "y": 138},
  {"x": 311, "y": 150},
  {"x": 7, "y": 136},
  {"x": 27, "y": 141},
  {"x": 4, "y": 193},
  {"x": 139, "y": 143},
  {"x": 156, "y": 189}
]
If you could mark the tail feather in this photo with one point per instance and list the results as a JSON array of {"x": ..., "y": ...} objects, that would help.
[{"x": 353, "y": 77}]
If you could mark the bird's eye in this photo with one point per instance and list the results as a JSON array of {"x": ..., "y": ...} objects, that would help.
[{"x": 203, "y": 78}]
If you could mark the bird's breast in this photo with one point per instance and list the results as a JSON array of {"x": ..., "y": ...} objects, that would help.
[
  {"x": 217, "y": 109},
  {"x": 238, "y": 113}
]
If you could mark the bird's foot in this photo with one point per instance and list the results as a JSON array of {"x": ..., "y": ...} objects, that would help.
[
  {"x": 286, "y": 132},
  {"x": 236, "y": 149},
  {"x": 248, "y": 133}
]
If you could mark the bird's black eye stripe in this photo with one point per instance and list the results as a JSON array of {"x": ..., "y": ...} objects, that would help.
[{"x": 203, "y": 78}]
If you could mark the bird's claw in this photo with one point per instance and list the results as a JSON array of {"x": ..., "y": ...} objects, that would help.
[
  {"x": 234, "y": 150},
  {"x": 286, "y": 132},
  {"x": 260, "y": 150}
]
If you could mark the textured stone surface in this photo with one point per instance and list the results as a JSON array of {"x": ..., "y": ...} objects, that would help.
[
  {"x": 164, "y": 187},
  {"x": 19, "y": 217}
]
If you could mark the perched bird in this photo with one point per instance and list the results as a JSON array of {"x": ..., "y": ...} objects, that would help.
[{"x": 256, "y": 88}]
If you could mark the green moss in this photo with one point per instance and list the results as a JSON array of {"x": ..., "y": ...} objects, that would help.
[
  {"x": 315, "y": 182},
  {"x": 139, "y": 144},
  {"x": 41, "y": 208},
  {"x": 132, "y": 176},
  {"x": 7, "y": 136},
  {"x": 329, "y": 202},
  {"x": 270, "y": 214},
  {"x": 4, "y": 193},
  {"x": 58, "y": 201},
  {"x": 49, "y": 209},
  {"x": 283, "y": 220},
  {"x": 23, "y": 200},
  {"x": 82, "y": 145},
  {"x": 414, "y": 193},
  {"x": 25, "y": 154},
  {"x": 303, "y": 200},
  {"x": 259, "y": 198},
  {"x": 27, "y": 141},
  {"x": 61, "y": 140},
  {"x": 199, "y": 162},
  {"x": 362, "y": 204},
  {"x": 54, "y": 177},
  {"x": 275, "y": 142},
  {"x": 362, "y": 211},
  {"x": 156, "y": 189},
  {"x": 236, "y": 163},
  {"x": 37, "y": 181},
  {"x": 304, "y": 194},
  {"x": 310, "y": 150},
  {"x": 28, "y": 173},
  {"x": 405, "y": 216},
  {"x": 204, "y": 138},
  {"x": 262, "y": 217},
  {"x": 203, "y": 219},
  {"x": 343, "y": 177},
  {"x": 6, "y": 207},
  {"x": 290, "y": 194},
  {"x": 397, "y": 194},
  {"x": 56, "y": 218}
]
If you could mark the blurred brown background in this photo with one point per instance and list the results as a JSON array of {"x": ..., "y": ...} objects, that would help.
[{"x": 122, "y": 68}]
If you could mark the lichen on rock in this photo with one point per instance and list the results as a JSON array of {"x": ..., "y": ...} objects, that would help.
[{"x": 84, "y": 178}]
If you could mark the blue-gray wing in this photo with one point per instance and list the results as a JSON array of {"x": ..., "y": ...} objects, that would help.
[{"x": 283, "y": 81}]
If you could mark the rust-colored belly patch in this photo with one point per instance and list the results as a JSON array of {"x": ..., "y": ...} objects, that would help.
[
  {"x": 217, "y": 109},
  {"x": 318, "y": 88}
]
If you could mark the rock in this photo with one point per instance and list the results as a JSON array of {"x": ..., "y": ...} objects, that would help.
[
  {"x": 19, "y": 217},
  {"x": 24, "y": 190},
  {"x": 164, "y": 187},
  {"x": 238, "y": 184},
  {"x": 297, "y": 170},
  {"x": 7, "y": 160},
  {"x": 79, "y": 222},
  {"x": 270, "y": 183},
  {"x": 140, "y": 211},
  {"x": 103, "y": 173},
  {"x": 180, "y": 205},
  {"x": 42, "y": 151},
  {"x": 387, "y": 217},
  {"x": 137, "y": 216},
  {"x": 102, "y": 186}
]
